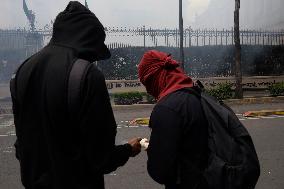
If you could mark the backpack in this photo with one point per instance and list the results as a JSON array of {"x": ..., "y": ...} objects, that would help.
[
  {"x": 232, "y": 162},
  {"x": 76, "y": 77}
]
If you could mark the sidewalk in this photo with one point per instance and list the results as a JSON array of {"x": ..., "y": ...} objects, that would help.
[
  {"x": 246, "y": 100},
  {"x": 6, "y": 105}
]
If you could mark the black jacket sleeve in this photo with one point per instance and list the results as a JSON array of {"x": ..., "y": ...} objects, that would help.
[
  {"x": 164, "y": 145},
  {"x": 98, "y": 127}
]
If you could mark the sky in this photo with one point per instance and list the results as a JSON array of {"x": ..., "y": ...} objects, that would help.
[
  {"x": 152, "y": 13},
  {"x": 125, "y": 13}
]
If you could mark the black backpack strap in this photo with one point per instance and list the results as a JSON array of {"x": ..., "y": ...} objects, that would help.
[
  {"x": 76, "y": 77},
  {"x": 194, "y": 90},
  {"x": 24, "y": 82}
]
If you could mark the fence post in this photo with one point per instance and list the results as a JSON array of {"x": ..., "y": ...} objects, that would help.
[
  {"x": 189, "y": 37},
  {"x": 232, "y": 36},
  {"x": 227, "y": 35},
  {"x": 250, "y": 36},
  {"x": 221, "y": 35},
  {"x": 185, "y": 38},
  {"x": 144, "y": 37},
  {"x": 216, "y": 33},
  {"x": 197, "y": 36},
  {"x": 204, "y": 37},
  {"x": 255, "y": 33},
  {"x": 176, "y": 37},
  {"x": 268, "y": 38}
]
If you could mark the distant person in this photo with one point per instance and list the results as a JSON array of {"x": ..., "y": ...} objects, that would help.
[
  {"x": 179, "y": 127},
  {"x": 56, "y": 147}
]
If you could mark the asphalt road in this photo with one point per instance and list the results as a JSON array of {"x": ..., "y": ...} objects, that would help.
[{"x": 267, "y": 133}]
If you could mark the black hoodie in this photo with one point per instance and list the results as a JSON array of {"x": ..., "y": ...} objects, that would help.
[{"x": 54, "y": 151}]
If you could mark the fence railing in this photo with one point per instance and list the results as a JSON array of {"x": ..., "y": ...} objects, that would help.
[
  {"x": 31, "y": 42},
  {"x": 123, "y": 37},
  {"x": 149, "y": 37}
]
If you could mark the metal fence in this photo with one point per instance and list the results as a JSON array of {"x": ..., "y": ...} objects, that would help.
[
  {"x": 208, "y": 52},
  {"x": 148, "y": 37},
  {"x": 31, "y": 42},
  {"x": 12, "y": 39}
]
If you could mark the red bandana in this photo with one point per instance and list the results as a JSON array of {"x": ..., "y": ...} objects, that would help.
[{"x": 161, "y": 74}]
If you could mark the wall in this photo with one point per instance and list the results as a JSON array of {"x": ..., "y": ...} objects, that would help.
[
  {"x": 117, "y": 86},
  {"x": 249, "y": 83}
]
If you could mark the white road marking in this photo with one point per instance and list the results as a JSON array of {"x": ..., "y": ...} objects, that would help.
[
  {"x": 7, "y": 151},
  {"x": 124, "y": 121},
  {"x": 4, "y": 135},
  {"x": 112, "y": 174},
  {"x": 267, "y": 117},
  {"x": 253, "y": 118}
]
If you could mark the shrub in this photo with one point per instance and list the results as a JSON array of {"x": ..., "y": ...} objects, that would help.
[
  {"x": 127, "y": 98},
  {"x": 150, "y": 99},
  {"x": 221, "y": 92},
  {"x": 276, "y": 89}
]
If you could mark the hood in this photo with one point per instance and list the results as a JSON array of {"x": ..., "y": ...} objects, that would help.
[
  {"x": 161, "y": 75},
  {"x": 77, "y": 27}
]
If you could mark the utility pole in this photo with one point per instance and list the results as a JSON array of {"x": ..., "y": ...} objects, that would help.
[
  {"x": 238, "y": 70},
  {"x": 181, "y": 35}
]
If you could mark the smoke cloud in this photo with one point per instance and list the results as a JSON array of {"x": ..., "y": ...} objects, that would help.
[{"x": 158, "y": 14}]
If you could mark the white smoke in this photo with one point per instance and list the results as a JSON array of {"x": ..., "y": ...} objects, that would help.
[
  {"x": 195, "y": 8},
  {"x": 157, "y": 13}
]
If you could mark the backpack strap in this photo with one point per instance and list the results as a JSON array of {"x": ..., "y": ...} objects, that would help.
[
  {"x": 76, "y": 77},
  {"x": 194, "y": 90},
  {"x": 24, "y": 82}
]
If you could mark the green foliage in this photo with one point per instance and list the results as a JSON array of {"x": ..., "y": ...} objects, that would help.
[
  {"x": 150, "y": 99},
  {"x": 221, "y": 92},
  {"x": 276, "y": 89},
  {"x": 127, "y": 98}
]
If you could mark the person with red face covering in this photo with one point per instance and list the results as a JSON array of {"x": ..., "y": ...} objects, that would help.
[{"x": 177, "y": 152}]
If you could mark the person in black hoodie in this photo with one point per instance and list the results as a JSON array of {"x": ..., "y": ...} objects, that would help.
[{"x": 56, "y": 150}]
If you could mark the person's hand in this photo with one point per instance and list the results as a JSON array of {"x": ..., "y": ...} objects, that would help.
[{"x": 136, "y": 146}]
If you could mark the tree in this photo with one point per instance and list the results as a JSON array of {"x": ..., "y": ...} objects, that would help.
[{"x": 238, "y": 72}]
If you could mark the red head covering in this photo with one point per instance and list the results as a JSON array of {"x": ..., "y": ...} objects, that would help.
[{"x": 161, "y": 74}]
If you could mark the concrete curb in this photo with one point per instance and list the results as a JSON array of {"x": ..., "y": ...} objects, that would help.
[
  {"x": 132, "y": 107},
  {"x": 264, "y": 113},
  {"x": 254, "y": 100},
  {"x": 258, "y": 100},
  {"x": 250, "y": 100}
]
